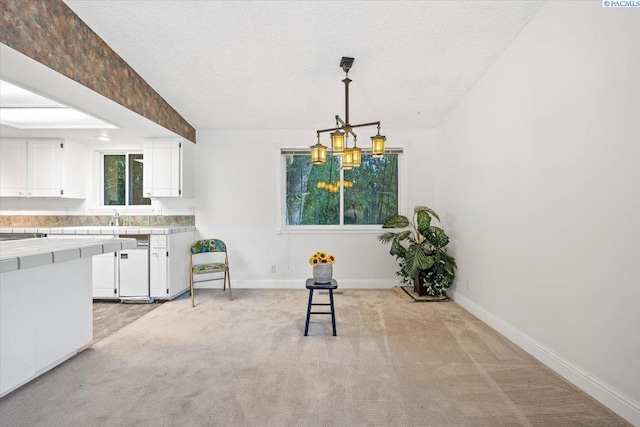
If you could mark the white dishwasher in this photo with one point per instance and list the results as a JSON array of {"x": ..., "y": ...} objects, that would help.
[{"x": 134, "y": 271}]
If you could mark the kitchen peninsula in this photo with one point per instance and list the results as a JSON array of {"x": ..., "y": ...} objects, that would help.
[
  {"x": 166, "y": 257},
  {"x": 46, "y": 303}
]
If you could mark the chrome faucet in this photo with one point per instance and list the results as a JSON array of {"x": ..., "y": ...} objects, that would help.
[{"x": 115, "y": 221}]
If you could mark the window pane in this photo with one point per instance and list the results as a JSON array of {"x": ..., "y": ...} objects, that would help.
[
  {"x": 114, "y": 179},
  {"x": 311, "y": 198},
  {"x": 371, "y": 190},
  {"x": 135, "y": 181}
]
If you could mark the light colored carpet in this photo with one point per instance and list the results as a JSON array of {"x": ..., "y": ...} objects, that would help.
[{"x": 246, "y": 363}]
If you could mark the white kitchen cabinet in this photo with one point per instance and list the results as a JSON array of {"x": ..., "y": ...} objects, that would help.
[
  {"x": 122, "y": 275},
  {"x": 169, "y": 259},
  {"x": 167, "y": 167},
  {"x": 104, "y": 268},
  {"x": 44, "y": 168},
  {"x": 104, "y": 276},
  {"x": 40, "y": 168},
  {"x": 160, "y": 270},
  {"x": 158, "y": 266},
  {"x": 13, "y": 168}
]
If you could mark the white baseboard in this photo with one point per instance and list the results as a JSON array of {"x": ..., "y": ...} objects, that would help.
[
  {"x": 609, "y": 396},
  {"x": 40, "y": 372},
  {"x": 298, "y": 284}
]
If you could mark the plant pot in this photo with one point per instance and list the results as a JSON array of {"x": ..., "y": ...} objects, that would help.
[
  {"x": 418, "y": 288},
  {"x": 422, "y": 288},
  {"x": 322, "y": 273}
]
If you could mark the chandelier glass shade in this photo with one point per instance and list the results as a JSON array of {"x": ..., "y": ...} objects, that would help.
[
  {"x": 350, "y": 157},
  {"x": 377, "y": 145},
  {"x": 318, "y": 153},
  {"x": 337, "y": 142},
  {"x": 357, "y": 156},
  {"x": 347, "y": 159}
]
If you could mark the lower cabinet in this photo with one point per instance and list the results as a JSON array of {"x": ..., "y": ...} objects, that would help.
[
  {"x": 159, "y": 267},
  {"x": 169, "y": 261},
  {"x": 104, "y": 275},
  {"x": 116, "y": 275},
  {"x": 121, "y": 275}
]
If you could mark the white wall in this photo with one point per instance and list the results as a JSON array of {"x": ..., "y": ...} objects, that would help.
[
  {"x": 236, "y": 187},
  {"x": 539, "y": 184}
]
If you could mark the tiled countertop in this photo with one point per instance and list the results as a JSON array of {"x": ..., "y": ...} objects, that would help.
[
  {"x": 29, "y": 253},
  {"x": 96, "y": 230}
]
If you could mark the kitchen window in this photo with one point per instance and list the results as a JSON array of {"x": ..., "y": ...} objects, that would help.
[
  {"x": 122, "y": 179},
  {"x": 326, "y": 195}
]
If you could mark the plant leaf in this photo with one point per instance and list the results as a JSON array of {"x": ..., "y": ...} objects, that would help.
[
  {"x": 387, "y": 237},
  {"x": 428, "y": 263},
  {"x": 406, "y": 234},
  {"x": 424, "y": 221},
  {"x": 410, "y": 267},
  {"x": 417, "y": 260},
  {"x": 396, "y": 221},
  {"x": 449, "y": 259},
  {"x": 449, "y": 271},
  {"x": 397, "y": 249},
  {"x": 430, "y": 211},
  {"x": 437, "y": 237}
]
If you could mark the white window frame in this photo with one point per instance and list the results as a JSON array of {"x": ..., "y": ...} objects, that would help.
[
  {"x": 281, "y": 186},
  {"x": 100, "y": 180}
]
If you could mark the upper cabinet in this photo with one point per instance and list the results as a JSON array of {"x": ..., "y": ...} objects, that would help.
[
  {"x": 167, "y": 168},
  {"x": 13, "y": 168},
  {"x": 40, "y": 168}
]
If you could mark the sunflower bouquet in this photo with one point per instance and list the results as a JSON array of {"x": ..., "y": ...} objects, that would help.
[{"x": 322, "y": 258}]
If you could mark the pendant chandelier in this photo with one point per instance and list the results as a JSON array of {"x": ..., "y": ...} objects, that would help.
[{"x": 350, "y": 157}]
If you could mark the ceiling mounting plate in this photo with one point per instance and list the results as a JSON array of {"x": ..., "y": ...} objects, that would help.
[{"x": 346, "y": 63}]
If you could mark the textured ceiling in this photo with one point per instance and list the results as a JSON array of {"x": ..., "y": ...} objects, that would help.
[{"x": 275, "y": 64}]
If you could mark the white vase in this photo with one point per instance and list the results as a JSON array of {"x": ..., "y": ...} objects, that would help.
[{"x": 322, "y": 273}]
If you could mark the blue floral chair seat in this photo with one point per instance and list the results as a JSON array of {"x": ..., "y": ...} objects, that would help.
[{"x": 204, "y": 247}]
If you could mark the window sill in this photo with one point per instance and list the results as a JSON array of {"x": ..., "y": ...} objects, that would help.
[
  {"x": 331, "y": 229},
  {"x": 122, "y": 210}
]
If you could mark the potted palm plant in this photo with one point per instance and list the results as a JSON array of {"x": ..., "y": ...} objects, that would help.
[{"x": 424, "y": 261}]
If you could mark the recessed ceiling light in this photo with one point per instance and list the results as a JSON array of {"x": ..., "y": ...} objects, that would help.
[
  {"x": 104, "y": 138},
  {"x": 23, "y": 109}
]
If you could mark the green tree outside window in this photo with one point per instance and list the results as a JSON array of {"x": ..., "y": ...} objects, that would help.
[
  {"x": 370, "y": 192},
  {"x": 123, "y": 180}
]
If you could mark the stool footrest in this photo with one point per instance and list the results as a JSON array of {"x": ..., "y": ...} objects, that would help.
[{"x": 310, "y": 285}]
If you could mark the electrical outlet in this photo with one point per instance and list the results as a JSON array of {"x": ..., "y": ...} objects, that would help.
[
  {"x": 466, "y": 283},
  {"x": 273, "y": 268}
]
